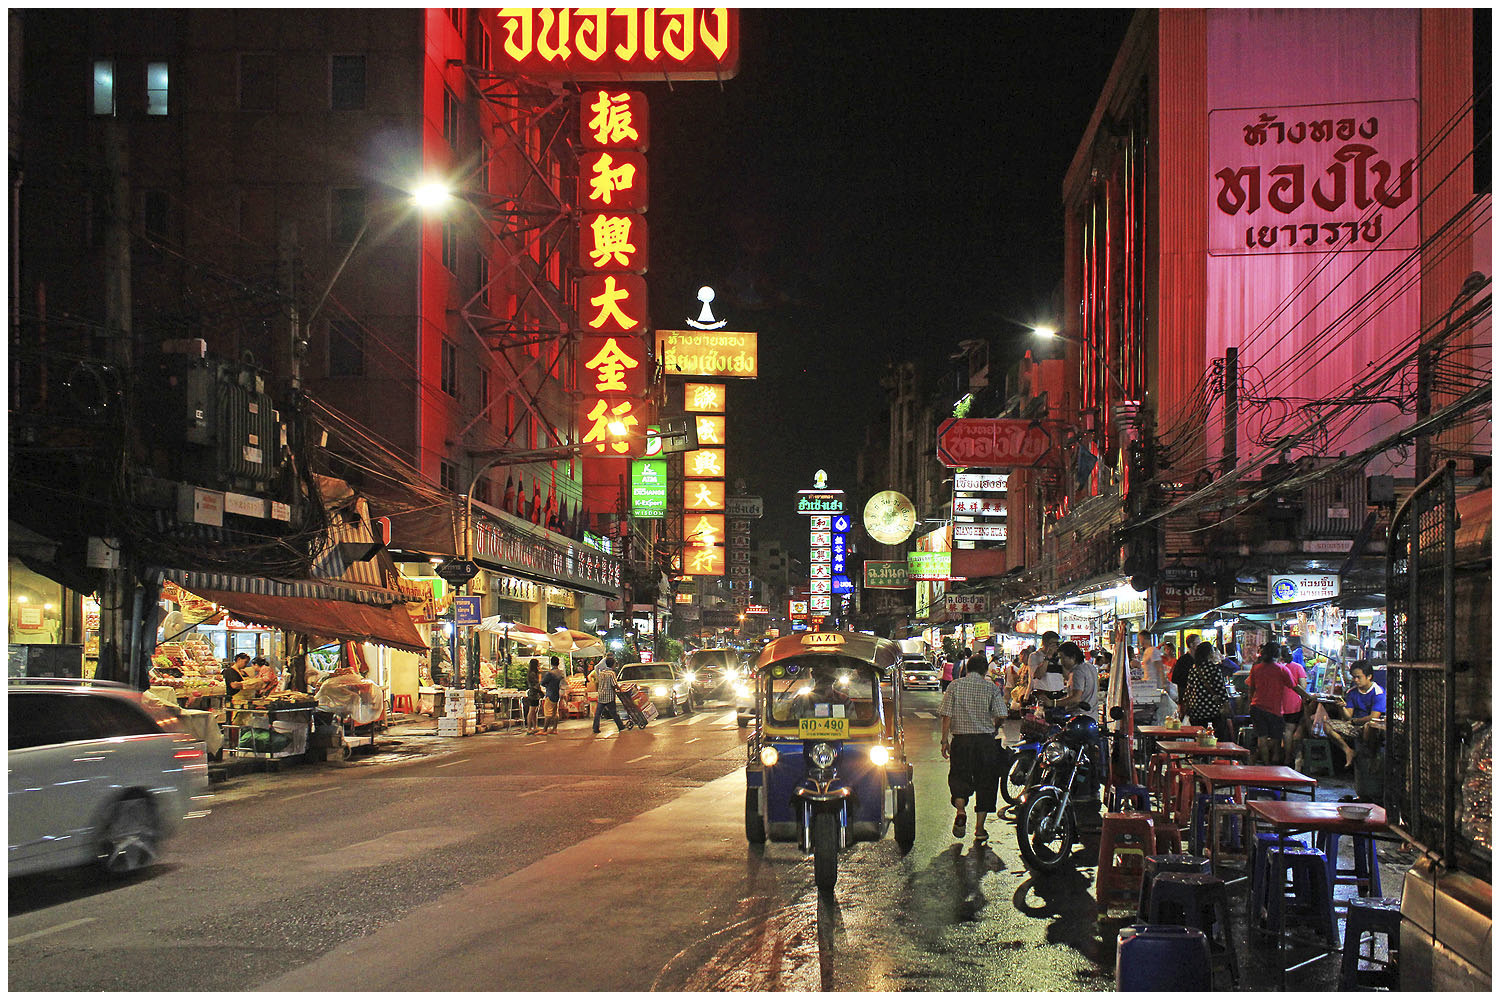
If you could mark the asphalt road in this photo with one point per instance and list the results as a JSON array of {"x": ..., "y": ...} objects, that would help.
[{"x": 574, "y": 862}]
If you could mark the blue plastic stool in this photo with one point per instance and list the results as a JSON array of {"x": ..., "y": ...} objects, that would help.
[
  {"x": 1371, "y": 915},
  {"x": 1200, "y": 816},
  {"x": 1151, "y": 957},
  {"x": 1136, "y": 797},
  {"x": 1201, "y": 901},
  {"x": 1309, "y": 897},
  {"x": 1366, "y": 871},
  {"x": 1264, "y": 842},
  {"x": 1158, "y": 863}
]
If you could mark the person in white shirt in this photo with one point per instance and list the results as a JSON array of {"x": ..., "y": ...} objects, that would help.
[{"x": 1045, "y": 670}]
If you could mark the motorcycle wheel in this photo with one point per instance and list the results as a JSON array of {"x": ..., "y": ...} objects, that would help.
[
  {"x": 825, "y": 845},
  {"x": 1017, "y": 776},
  {"x": 755, "y": 824},
  {"x": 1042, "y": 850},
  {"x": 905, "y": 820}
]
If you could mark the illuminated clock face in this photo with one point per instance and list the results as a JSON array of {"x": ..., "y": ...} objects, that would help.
[{"x": 890, "y": 517}]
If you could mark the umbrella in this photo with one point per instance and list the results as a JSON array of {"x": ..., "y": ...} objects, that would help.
[
  {"x": 570, "y": 640},
  {"x": 520, "y": 633}
]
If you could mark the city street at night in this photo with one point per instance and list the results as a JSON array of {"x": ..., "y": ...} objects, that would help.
[{"x": 868, "y": 415}]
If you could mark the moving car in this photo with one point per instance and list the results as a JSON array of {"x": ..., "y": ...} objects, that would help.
[
  {"x": 917, "y": 669},
  {"x": 667, "y": 689},
  {"x": 711, "y": 671},
  {"x": 95, "y": 776}
]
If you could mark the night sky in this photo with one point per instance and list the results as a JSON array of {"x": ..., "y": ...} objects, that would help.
[{"x": 871, "y": 186}]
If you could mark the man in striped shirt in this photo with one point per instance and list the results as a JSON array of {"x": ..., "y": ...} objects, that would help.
[{"x": 971, "y": 712}]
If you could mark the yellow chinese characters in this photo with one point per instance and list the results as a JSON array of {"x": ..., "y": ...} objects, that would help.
[
  {"x": 609, "y": 366},
  {"x": 609, "y": 303},
  {"x": 611, "y": 240},
  {"x": 612, "y": 123},
  {"x": 600, "y": 418},
  {"x": 608, "y": 179}
]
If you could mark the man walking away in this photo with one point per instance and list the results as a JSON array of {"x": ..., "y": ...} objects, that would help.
[
  {"x": 604, "y": 676},
  {"x": 971, "y": 711},
  {"x": 552, "y": 682}
]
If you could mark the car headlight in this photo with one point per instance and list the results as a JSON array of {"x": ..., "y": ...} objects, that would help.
[
  {"x": 880, "y": 756},
  {"x": 821, "y": 755},
  {"x": 689, "y": 677},
  {"x": 769, "y": 756},
  {"x": 1052, "y": 753},
  {"x": 659, "y": 691},
  {"x": 741, "y": 691},
  {"x": 731, "y": 673}
]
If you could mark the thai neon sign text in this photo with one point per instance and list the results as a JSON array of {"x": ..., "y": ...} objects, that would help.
[{"x": 619, "y": 43}]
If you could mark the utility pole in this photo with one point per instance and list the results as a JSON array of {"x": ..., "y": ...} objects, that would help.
[
  {"x": 291, "y": 347},
  {"x": 1231, "y": 408}
]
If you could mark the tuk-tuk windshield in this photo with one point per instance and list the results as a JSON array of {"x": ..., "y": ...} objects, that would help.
[{"x": 821, "y": 686}]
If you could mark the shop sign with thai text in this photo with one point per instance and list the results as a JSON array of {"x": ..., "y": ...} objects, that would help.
[
  {"x": 616, "y": 43},
  {"x": 1313, "y": 178},
  {"x": 1289, "y": 587},
  {"x": 744, "y": 506},
  {"x": 967, "y": 604},
  {"x": 501, "y": 544},
  {"x": 708, "y": 353},
  {"x": 992, "y": 443},
  {"x": 886, "y": 574},
  {"x": 980, "y": 482},
  {"x": 929, "y": 565}
]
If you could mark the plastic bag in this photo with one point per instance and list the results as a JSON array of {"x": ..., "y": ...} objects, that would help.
[
  {"x": 1475, "y": 806},
  {"x": 1319, "y": 720},
  {"x": 363, "y": 701}
]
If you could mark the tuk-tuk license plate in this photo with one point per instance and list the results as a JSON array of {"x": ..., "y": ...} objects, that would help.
[{"x": 823, "y": 729}]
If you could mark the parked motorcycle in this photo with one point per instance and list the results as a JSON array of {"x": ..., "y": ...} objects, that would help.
[
  {"x": 1023, "y": 769},
  {"x": 1074, "y": 763}
]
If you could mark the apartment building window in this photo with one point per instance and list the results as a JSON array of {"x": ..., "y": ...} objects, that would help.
[
  {"x": 450, "y": 117},
  {"x": 484, "y": 48},
  {"x": 346, "y": 349},
  {"x": 347, "y": 215},
  {"x": 484, "y": 393},
  {"x": 482, "y": 491},
  {"x": 483, "y": 272},
  {"x": 456, "y": 15},
  {"x": 154, "y": 212},
  {"x": 156, "y": 88},
  {"x": 448, "y": 476},
  {"x": 257, "y": 81},
  {"x": 449, "y": 372},
  {"x": 104, "y": 87},
  {"x": 346, "y": 83},
  {"x": 450, "y": 247}
]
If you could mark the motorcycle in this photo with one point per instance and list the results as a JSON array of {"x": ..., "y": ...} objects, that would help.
[
  {"x": 1074, "y": 764},
  {"x": 1023, "y": 769}
]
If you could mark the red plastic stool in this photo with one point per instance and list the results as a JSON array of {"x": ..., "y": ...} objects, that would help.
[
  {"x": 1123, "y": 834},
  {"x": 401, "y": 703},
  {"x": 1156, "y": 775},
  {"x": 1168, "y": 837}
]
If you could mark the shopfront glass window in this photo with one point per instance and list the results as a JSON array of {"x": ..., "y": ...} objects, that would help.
[{"x": 36, "y": 608}]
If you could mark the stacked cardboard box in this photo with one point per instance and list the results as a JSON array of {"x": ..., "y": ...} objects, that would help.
[{"x": 460, "y": 715}]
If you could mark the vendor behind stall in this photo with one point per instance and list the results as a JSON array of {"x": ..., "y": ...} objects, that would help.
[
  {"x": 266, "y": 674},
  {"x": 235, "y": 674}
]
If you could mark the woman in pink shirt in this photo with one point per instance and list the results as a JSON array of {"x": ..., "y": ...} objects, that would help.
[
  {"x": 947, "y": 673},
  {"x": 1292, "y": 711}
]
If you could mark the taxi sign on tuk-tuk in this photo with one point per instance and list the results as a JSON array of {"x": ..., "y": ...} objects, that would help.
[{"x": 822, "y": 639}]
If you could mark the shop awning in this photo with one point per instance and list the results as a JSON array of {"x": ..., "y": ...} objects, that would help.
[
  {"x": 1245, "y": 610},
  {"x": 388, "y": 625}
]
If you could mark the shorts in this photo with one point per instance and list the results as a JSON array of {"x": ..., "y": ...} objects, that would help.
[
  {"x": 550, "y": 708},
  {"x": 1268, "y": 725},
  {"x": 974, "y": 769},
  {"x": 1292, "y": 718}
]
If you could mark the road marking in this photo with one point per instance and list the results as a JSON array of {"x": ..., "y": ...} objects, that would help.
[
  {"x": 695, "y": 739},
  {"x": 924, "y": 715},
  {"x": 640, "y": 758},
  {"x": 452, "y": 762},
  {"x": 315, "y": 791},
  {"x": 53, "y": 930},
  {"x": 536, "y": 744},
  {"x": 544, "y": 788}
]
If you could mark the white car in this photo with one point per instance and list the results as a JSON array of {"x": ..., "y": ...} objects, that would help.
[
  {"x": 668, "y": 689},
  {"x": 917, "y": 672},
  {"x": 95, "y": 776}
]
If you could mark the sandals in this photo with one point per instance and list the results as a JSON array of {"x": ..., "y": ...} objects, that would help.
[
  {"x": 959, "y": 824},
  {"x": 981, "y": 836}
]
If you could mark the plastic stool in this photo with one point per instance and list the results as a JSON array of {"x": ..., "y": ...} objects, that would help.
[
  {"x": 1115, "y": 839},
  {"x": 1264, "y": 842},
  {"x": 1136, "y": 797},
  {"x": 1156, "y": 775},
  {"x": 1181, "y": 785},
  {"x": 1372, "y": 915},
  {"x": 1201, "y": 803},
  {"x": 1245, "y": 736},
  {"x": 1310, "y": 894},
  {"x": 1317, "y": 753},
  {"x": 1158, "y": 863},
  {"x": 1203, "y": 902},
  {"x": 1228, "y": 810},
  {"x": 1366, "y": 871},
  {"x": 401, "y": 703},
  {"x": 1168, "y": 836},
  {"x": 1162, "y": 958}
]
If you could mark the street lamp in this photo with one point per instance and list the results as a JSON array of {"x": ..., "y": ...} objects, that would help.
[{"x": 1051, "y": 333}]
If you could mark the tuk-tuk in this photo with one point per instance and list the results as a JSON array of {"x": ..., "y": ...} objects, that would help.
[{"x": 827, "y": 746}]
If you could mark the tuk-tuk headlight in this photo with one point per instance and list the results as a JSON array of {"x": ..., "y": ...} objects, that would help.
[
  {"x": 880, "y": 756},
  {"x": 821, "y": 755},
  {"x": 769, "y": 756},
  {"x": 659, "y": 691}
]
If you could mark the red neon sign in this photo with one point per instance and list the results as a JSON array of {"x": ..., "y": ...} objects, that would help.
[
  {"x": 613, "y": 180},
  {"x": 612, "y": 303},
  {"x": 614, "y": 119},
  {"x": 614, "y": 242},
  {"x": 618, "y": 43}
]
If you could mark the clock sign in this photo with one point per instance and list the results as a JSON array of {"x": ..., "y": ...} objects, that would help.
[{"x": 890, "y": 517}]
